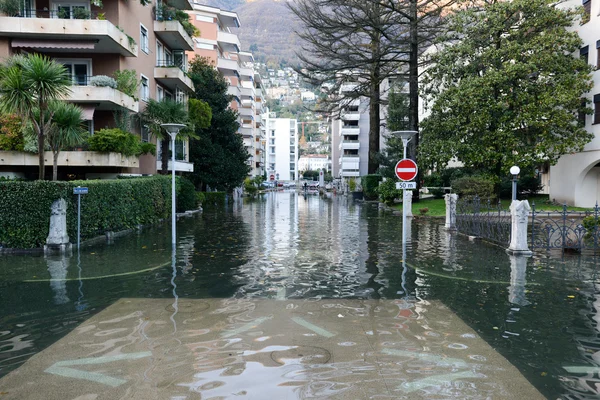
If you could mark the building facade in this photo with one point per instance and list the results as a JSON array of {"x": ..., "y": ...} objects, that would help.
[
  {"x": 575, "y": 179},
  {"x": 313, "y": 162},
  {"x": 92, "y": 41},
  {"x": 222, "y": 48},
  {"x": 282, "y": 147}
]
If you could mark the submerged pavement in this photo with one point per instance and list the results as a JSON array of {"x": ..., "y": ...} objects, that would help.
[{"x": 268, "y": 349}]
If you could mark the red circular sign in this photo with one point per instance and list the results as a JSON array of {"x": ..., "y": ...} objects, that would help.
[
  {"x": 272, "y": 177},
  {"x": 406, "y": 170}
]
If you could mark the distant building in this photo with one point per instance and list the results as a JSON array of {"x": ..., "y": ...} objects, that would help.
[
  {"x": 282, "y": 147},
  {"x": 313, "y": 162},
  {"x": 308, "y": 96}
]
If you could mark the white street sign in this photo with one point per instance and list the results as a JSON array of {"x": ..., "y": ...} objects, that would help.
[{"x": 406, "y": 185}]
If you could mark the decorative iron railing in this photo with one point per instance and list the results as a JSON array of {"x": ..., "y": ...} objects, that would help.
[
  {"x": 564, "y": 229},
  {"x": 485, "y": 219}
]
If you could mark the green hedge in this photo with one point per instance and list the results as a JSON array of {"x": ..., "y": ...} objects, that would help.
[
  {"x": 471, "y": 186},
  {"x": 214, "y": 198},
  {"x": 369, "y": 184},
  {"x": 111, "y": 205}
]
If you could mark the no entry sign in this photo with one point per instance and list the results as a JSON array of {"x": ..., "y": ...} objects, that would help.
[{"x": 406, "y": 170}]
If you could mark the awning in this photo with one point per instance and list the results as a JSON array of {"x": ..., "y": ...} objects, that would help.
[
  {"x": 54, "y": 44},
  {"x": 88, "y": 112}
]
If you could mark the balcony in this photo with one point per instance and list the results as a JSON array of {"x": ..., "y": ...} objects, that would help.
[
  {"x": 354, "y": 130},
  {"x": 247, "y": 73},
  {"x": 246, "y": 112},
  {"x": 355, "y": 116},
  {"x": 348, "y": 174},
  {"x": 229, "y": 42},
  {"x": 228, "y": 67},
  {"x": 233, "y": 91},
  {"x": 247, "y": 92},
  {"x": 103, "y": 97},
  {"x": 70, "y": 159},
  {"x": 173, "y": 35},
  {"x": 248, "y": 142},
  {"x": 350, "y": 145},
  {"x": 246, "y": 132},
  {"x": 41, "y": 33},
  {"x": 172, "y": 76}
]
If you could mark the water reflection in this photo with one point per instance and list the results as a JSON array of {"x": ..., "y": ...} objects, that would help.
[{"x": 57, "y": 268}]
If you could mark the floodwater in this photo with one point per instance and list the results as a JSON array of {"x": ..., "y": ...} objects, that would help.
[{"x": 299, "y": 297}]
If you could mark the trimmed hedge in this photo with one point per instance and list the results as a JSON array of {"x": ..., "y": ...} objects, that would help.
[
  {"x": 186, "y": 195},
  {"x": 369, "y": 184},
  {"x": 111, "y": 205},
  {"x": 471, "y": 186}
]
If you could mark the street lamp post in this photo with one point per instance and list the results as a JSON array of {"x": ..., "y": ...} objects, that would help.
[
  {"x": 514, "y": 170},
  {"x": 173, "y": 130},
  {"x": 406, "y": 137}
]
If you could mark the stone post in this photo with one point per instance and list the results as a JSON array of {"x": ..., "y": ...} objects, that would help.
[
  {"x": 407, "y": 199},
  {"x": 519, "y": 212},
  {"x": 451, "y": 200},
  {"x": 58, "y": 239}
]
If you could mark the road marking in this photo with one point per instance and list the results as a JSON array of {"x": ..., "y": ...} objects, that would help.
[
  {"x": 583, "y": 369},
  {"x": 61, "y": 368},
  {"x": 409, "y": 387},
  {"x": 246, "y": 327},
  {"x": 439, "y": 360},
  {"x": 312, "y": 327}
]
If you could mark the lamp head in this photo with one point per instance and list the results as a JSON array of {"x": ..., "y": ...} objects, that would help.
[
  {"x": 404, "y": 135},
  {"x": 173, "y": 129},
  {"x": 514, "y": 170}
]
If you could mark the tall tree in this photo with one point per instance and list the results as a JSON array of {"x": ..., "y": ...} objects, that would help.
[
  {"x": 365, "y": 43},
  {"x": 27, "y": 85},
  {"x": 167, "y": 111},
  {"x": 66, "y": 130},
  {"x": 506, "y": 89},
  {"x": 218, "y": 152}
]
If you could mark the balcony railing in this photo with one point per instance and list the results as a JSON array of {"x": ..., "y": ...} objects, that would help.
[
  {"x": 170, "y": 64},
  {"x": 76, "y": 13}
]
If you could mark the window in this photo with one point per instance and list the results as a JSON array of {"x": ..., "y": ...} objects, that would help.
[
  {"x": 583, "y": 53},
  {"x": 145, "y": 133},
  {"x": 79, "y": 70},
  {"x": 587, "y": 11},
  {"x": 598, "y": 54},
  {"x": 160, "y": 93},
  {"x": 72, "y": 11},
  {"x": 597, "y": 109},
  {"x": 145, "y": 95},
  {"x": 144, "y": 39}
]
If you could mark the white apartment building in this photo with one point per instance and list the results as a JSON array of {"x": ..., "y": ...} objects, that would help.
[
  {"x": 313, "y": 162},
  {"x": 221, "y": 46},
  {"x": 575, "y": 179},
  {"x": 281, "y": 136}
]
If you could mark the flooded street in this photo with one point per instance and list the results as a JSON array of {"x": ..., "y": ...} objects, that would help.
[{"x": 292, "y": 297}]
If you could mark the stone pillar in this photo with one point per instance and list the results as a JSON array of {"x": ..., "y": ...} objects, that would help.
[
  {"x": 516, "y": 290},
  {"x": 58, "y": 239},
  {"x": 519, "y": 212},
  {"x": 407, "y": 199},
  {"x": 451, "y": 200}
]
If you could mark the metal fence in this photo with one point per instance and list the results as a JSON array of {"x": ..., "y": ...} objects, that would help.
[
  {"x": 564, "y": 229},
  {"x": 484, "y": 219}
]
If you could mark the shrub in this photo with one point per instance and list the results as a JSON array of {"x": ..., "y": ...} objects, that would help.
[
  {"x": 103, "y": 81},
  {"x": 370, "y": 184},
  {"x": 200, "y": 198},
  {"x": 111, "y": 205},
  {"x": 186, "y": 195},
  {"x": 438, "y": 193},
  {"x": 115, "y": 141},
  {"x": 352, "y": 184},
  {"x": 433, "y": 180},
  {"x": 10, "y": 8},
  {"x": 387, "y": 192},
  {"x": 471, "y": 186},
  {"x": 147, "y": 148},
  {"x": 11, "y": 133},
  {"x": 423, "y": 211},
  {"x": 214, "y": 198},
  {"x": 249, "y": 187},
  {"x": 527, "y": 184},
  {"x": 127, "y": 82},
  {"x": 81, "y": 13}
]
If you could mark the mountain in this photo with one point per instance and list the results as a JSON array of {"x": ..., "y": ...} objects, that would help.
[{"x": 267, "y": 29}]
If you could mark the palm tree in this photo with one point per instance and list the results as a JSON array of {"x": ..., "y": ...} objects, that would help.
[
  {"x": 28, "y": 83},
  {"x": 66, "y": 130},
  {"x": 162, "y": 112}
]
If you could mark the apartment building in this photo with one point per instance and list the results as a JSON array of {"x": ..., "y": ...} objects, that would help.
[
  {"x": 92, "y": 40},
  {"x": 313, "y": 162},
  {"x": 222, "y": 48},
  {"x": 575, "y": 179},
  {"x": 282, "y": 147},
  {"x": 350, "y": 137}
]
